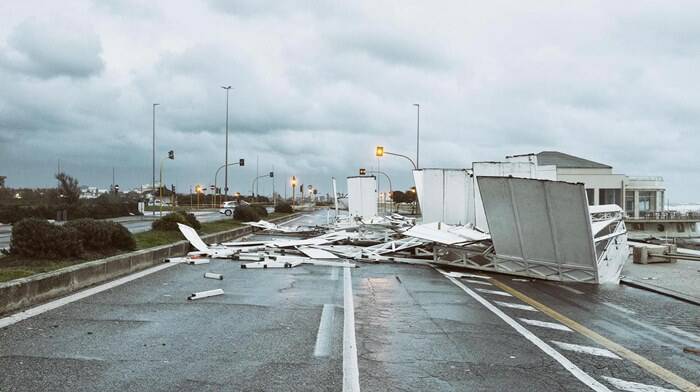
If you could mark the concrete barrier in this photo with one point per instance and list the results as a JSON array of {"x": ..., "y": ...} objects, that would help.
[{"x": 32, "y": 290}]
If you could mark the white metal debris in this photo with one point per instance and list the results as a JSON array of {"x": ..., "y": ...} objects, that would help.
[
  {"x": 211, "y": 275},
  {"x": 205, "y": 294}
]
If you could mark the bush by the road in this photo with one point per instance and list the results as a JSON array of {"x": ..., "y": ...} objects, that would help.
[
  {"x": 261, "y": 210},
  {"x": 170, "y": 221},
  {"x": 99, "y": 209},
  {"x": 34, "y": 237},
  {"x": 246, "y": 214},
  {"x": 103, "y": 235},
  {"x": 283, "y": 207}
]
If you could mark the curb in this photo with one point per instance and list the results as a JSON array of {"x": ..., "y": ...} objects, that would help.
[
  {"x": 660, "y": 290},
  {"x": 32, "y": 290}
]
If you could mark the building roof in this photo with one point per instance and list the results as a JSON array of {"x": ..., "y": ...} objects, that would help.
[{"x": 559, "y": 159}]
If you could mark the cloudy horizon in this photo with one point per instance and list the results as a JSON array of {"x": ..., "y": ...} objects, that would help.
[{"x": 316, "y": 85}]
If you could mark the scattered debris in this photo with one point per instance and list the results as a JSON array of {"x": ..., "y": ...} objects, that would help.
[
  {"x": 205, "y": 294},
  {"x": 197, "y": 261},
  {"x": 211, "y": 275},
  {"x": 691, "y": 350}
]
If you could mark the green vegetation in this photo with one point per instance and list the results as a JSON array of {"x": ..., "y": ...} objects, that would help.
[
  {"x": 170, "y": 221},
  {"x": 283, "y": 207},
  {"x": 246, "y": 214}
]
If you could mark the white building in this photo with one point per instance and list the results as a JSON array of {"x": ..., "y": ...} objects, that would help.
[{"x": 638, "y": 196}]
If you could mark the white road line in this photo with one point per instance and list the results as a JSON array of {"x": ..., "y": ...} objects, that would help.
[
  {"x": 456, "y": 274},
  {"x": 572, "y": 290},
  {"x": 545, "y": 324},
  {"x": 516, "y": 306},
  {"x": 9, "y": 320},
  {"x": 351, "y": 372},
  {"x": 684, "y": 333},
  {"x": 568, "y": 365},
  {"x": 495, "y": 292},
  {"x": 325, "y": 331},
  {"x": 601, "y": 352},
  {"x": 635, "y": 386},
  {"x": 620, "y": 308},
  {"x": 477, "y": 282},
  {"x": 334, "y": 273}
]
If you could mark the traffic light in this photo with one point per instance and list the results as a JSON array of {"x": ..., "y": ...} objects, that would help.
[
  {"x": 241, "y": 162},
  {"x": 363, "y": 171},
  {"x": 116, "y": 188},
  {"x": 171, "y": 154}
]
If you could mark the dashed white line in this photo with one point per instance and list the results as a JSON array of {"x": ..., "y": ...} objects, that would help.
[
  {"x": 495, "y": 292},
  {"x": 620, "y": 308},
  {"x": 456, "y": 274},
  {"x": 635, "y": 386},
  {"x": 477, "y": 282},
  {"x": 351, "y": 373},
  {"x": 684, "y": 333},
  {"x": 325, "y": 331},
  {"x": 516, "y": 306},
  {"x": 546, "y": 324},
  {"x": 9, "y": 320},
  {"x": 568, "y": 365},
  {"x": 601, "y": 352}
]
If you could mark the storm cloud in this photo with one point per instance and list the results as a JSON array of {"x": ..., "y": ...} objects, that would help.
[{"x": 316, "y": 85}]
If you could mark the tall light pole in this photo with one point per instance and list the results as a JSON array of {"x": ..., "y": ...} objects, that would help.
[
  {"x": 417, "y": 105},
  {"x": 153, "y": 183},
  {"x": 227, "y": 88}
]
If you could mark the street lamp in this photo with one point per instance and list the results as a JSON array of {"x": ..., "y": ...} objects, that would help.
[
  {"x": 294, "y": 186},
  {"x": 380, "y": 152},
  {"x": 417, "y": 105},
  {"x": 227, "y": 88},
  {"x": 171, "y": 155},
  {"x": 153, "y": 181},
  {"x": 241, "y": 162}
]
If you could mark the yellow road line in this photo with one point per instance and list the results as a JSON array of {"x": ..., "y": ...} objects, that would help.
[{"x": 642, "y": 362}]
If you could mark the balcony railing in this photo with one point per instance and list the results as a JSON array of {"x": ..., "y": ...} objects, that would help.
[{"x": 666, "y": 215}]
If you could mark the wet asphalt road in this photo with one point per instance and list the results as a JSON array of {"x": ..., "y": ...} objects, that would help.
[{"x": 282, "y": 329}]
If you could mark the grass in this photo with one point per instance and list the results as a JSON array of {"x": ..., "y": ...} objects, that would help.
[{"x": 15, "y": 267}]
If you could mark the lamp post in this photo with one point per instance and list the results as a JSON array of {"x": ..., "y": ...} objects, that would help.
[
  {"x": 380, "y": 152},
  {"x": 391, "y": 191},
  {"x": 417, "y": 105},
  {"x": 294, "y": 187},
  {"x": 227, "y": 88},
  {"x": 153, "y": 180},
  {"x": 171, "y": 155},
  {"x": 241, "y": 162}
]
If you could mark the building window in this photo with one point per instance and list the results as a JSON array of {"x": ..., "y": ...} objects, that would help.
[
  {"x": 589, "y": 194},
  {"x": 610, "y": 196},
  {"x": 647, "y": 201},
  {"x": 629, "y": 203}
]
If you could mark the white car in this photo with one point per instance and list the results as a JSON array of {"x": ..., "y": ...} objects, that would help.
[{"x": 227, "y": 208}]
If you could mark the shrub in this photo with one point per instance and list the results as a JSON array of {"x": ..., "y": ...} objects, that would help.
[
  {"x": 283, "y": 207},
  {"x": 103, "y": 235},
  {"x": 170, "y": 221},
  {"x": 245, "y": 214},
  {"x": 122, "y": 237},
  {"x": 34, "y": 237},
  {"x": 261, "y": 210}
]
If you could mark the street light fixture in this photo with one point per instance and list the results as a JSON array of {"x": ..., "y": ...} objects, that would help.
[
  {"x": 294, "y": 187},
  {"x": 171, "y": 155},
  {"x": 380, "y": 152},
  {"x": 227, "y": 88}
]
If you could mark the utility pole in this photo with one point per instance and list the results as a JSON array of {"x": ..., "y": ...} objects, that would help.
[
  {"x": 112, "y": 178},
  {"x": 417, "y": 105},
  {"x": 257, "y": 173},
  {"x": 153, "y": 180},
  {"x": 227, "y": 88}
]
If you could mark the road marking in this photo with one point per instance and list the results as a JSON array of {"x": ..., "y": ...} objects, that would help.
[
  {"x": 651, "y": 367},
  {"x": 545, "y": 324},
  {"x": 635, "y": 386},
  {"x": 569, "y": 289},
  {"x": 334, "y": 273},
  {"x": 495, "y": 292},
  {"x": 516, "y": 306},
  {"x": 684, "y": 333},
  {"x": 351, "y": 373},
  {"x": 17, "y": 317},
  {"x": 601, "y": 352},
  {"x": 478, "y": 282},
  {"x": 620, "y": 308},
  {"x": 325, "y": 331},
  {"x": 456, "y": 274},
  {"x": 295, "y": 219},
  {"x": 568, "y": 365}
]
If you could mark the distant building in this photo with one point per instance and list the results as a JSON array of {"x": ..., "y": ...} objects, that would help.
[
  {"x": 638, "y": 196},
  {"x": 91, "y": 192}
]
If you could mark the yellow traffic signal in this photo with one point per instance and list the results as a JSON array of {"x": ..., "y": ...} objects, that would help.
[{"x": 379, "y": 151}]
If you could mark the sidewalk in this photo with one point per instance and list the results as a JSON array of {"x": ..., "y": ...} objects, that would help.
[{"x": 682, "y": 277}]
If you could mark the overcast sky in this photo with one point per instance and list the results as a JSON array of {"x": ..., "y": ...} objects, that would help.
[{"x": 316, "y": 85}]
